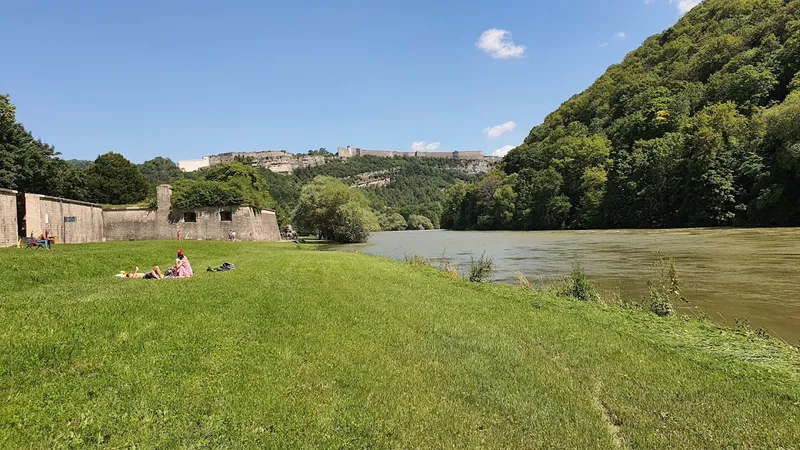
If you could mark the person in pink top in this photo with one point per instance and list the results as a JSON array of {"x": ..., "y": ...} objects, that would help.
[{"x": 183, "y": 269}]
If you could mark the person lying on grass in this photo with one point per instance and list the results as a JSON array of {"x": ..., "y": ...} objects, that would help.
[
  {"x": 183, "y": 269},
  {"x": 154, "y": 274}
]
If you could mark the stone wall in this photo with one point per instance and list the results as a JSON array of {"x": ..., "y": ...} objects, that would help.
[
  {"x": 132, "y": 224},
  {"x": 72, "y": 221},
  {"x": 77, "y": 222},
  {"x": 349, "y": 152},
  {"x": 8, "y": 218},
  {"x": 209, "y": 223}
]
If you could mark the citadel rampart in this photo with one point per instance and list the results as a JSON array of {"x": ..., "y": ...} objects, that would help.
[
  {"x": 77, "y": 222},
  {"x": 350, "y": 152},
  {"x": 72, "y": 221},
  {"x": 207, "y": 223},
  {"x": 280, "y": 161},
  {"x": 8, "y": 218}
]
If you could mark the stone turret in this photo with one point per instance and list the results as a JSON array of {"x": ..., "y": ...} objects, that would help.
[{"x": 164, "y": 197}]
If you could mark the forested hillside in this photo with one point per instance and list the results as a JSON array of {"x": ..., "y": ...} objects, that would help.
[
  {"x": 414, "y": 186},
  {"x": 700, "y": 126}
]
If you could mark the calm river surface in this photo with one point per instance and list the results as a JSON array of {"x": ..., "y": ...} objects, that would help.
[{"x": 752, "y": 273}]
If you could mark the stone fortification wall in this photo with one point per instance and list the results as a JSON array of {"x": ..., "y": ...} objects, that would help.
[
  {"x": 349, "y": 152},
  {"x": 72, "y": 221},
  {"x": 249, "y": 224},
  {"x": 132, "y": 224},
  {"x": 148, "y": 224},
  {"x": 278, "y": 161},
  {"x": 77, "y": 222},
  {"x": 468, "y": 155},
  {"x": 257, "y": 156},
  {"x": 208, "y": 223},
  {"x": 8, "y": 218}
]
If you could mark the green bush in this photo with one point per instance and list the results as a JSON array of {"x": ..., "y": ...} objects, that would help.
[
  {"x": 578, "y": 286},
  {"x": 191, "y": 194},
  {"x": 223, "y": 185},
  {"x": 354, "y": 223},
  {"x": 663, "y": 288},
  {"x": 481, "y": 269},
  {"x": 332, "y": 210},
  {"x": 417, "y": 260},
  {"x": 417, "y": 222},
  {"x": 392, "y": 222}
]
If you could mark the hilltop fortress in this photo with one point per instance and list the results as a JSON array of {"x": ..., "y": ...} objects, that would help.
[
  {"x": 349, "y": 152},
  {"x": 281, "y": 161}
]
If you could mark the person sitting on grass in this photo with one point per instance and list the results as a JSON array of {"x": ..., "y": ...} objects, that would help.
[
  {"x": 183, "y": 269},
  {"x": 154, "y": 274}
]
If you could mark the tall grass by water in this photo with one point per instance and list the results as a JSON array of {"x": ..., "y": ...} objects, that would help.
[{"x": 299, "y": 348}]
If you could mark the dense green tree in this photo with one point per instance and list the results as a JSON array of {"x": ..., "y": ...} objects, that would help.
[
  {"x": 26, "y": 163},
  {"x": 320, "y": 152},
  {"x": 78, "y": 163},
  {"x": 112, "y": 179},
  {"x": 227, "y": 184},
  {"x": 392, "y": 222},
  {"x": 332, "y": 210},
  {"x": 353, "y": 223},
  {"x": 697, "y": 127},
  {"x": 190, "y": 194},
  {"x": 456, "y": 215},
  {"x": 160, "y": 170},
  {"x": 777, "y": 201},
  {"x": 417, "y": 222}
]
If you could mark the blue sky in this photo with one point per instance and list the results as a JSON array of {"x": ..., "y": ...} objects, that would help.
[{"x": 183, "y": 79}]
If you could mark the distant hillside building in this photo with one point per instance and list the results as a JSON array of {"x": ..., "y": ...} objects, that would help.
[
  {"x": 349, "y": 152},
  {"x": 279, "y": 161},
  {"x": 259, "y": 157},
  {"x": 191, "y": 165}
]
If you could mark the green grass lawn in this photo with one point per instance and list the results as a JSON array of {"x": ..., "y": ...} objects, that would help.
[{"x": 300, "y": 348}]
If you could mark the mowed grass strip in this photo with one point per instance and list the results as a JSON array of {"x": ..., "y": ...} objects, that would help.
[{"x": 300, "y": 348}]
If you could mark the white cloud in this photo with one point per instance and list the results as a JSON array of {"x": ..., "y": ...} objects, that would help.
[
  {"x": 503, "y": 151},
  {"x": 422, "y": 146},
  {"x": 499, "y": 45},
  {"x": 500, "y": 130},
  {"x": 685, "y": 6},
  {"x": 617, "y": 35}
]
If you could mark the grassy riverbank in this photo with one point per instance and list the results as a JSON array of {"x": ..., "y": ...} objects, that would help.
[{"x": 298, "y": 348}]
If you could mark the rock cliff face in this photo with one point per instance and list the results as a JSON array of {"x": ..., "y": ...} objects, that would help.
[
  {"x": 477, "y": 167},
  {"x": 278, "y": 161}
]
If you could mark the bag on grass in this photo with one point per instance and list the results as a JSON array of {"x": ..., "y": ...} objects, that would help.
[{"x": 226, "y": 266}]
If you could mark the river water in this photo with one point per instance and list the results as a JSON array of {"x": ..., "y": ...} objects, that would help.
[{"x": 728, "y": 273}]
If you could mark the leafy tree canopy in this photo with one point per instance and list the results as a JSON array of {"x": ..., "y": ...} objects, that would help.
[
  {"x": 333, "y": 210},
  {"x": 697, "y": 127},
  {"x": 224, "y": 185},
  {"x": 112, "y": 179},
  {"x": 160, "y": 170}
]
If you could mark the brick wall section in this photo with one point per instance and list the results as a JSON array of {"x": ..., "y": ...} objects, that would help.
[
  {"x": 46, "y": 213},
  {"x": 8, "y": 218}
]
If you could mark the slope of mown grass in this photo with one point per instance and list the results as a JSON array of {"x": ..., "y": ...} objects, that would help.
[{"x": 300, "y": 348}]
